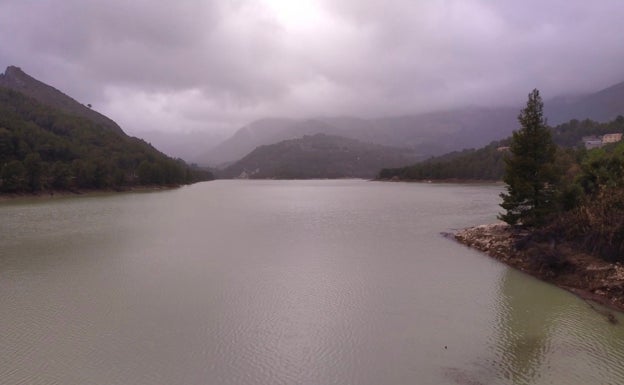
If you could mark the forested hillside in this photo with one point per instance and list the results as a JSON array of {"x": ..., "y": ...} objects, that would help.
[
  {"x": 318, "y": 156},
  {"x": 16, "y": 79},
  {"x": 482, "y": 164},
  {"x": 570, "y": 134},
  {"x": 44, "y": 148},
  {"x": 487, "y": 163}
]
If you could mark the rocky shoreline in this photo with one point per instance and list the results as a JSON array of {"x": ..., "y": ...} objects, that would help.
[{"x": 585, "y": 275}]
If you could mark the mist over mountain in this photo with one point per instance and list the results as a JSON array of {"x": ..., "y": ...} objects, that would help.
[
  {"x": 427, "y": 134},
  {"x": 487, "y": 163},
  {"x": 184, "y": 145},
  {"x": 600, "y": 106},
  {"x": 318, "y": 156},
  {"x": 260, "y": 132},
  {"x": 221, "y": 64}
]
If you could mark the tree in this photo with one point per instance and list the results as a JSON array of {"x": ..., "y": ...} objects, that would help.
[
  {"x": 529, "y": 171},
  {"x": 13, "y": 177},
  {"x": 60, "y": 173},
  {"x": 146, "y": 171},
  {"x": 33, "y": 167},
  {"x": 7, "y": 147}
]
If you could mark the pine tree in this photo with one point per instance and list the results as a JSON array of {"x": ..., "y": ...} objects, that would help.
[{"x": 529, "y": 173}]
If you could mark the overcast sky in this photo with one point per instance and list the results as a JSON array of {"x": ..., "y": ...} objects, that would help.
[{"x": 214, "y": 65}]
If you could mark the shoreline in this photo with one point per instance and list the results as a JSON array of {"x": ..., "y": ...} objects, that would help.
[
  {"x": 587, "y": 276},
  {"x": 57, "y": 194},
  {"x": 442, "y": 181}
]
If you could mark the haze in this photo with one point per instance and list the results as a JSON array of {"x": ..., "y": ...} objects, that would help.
[{"x": 213, "y": 66}]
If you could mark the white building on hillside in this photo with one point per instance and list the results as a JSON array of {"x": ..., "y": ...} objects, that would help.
[
  {"x": 592, "y": 142},
  {"x": 611, "y": 138}
]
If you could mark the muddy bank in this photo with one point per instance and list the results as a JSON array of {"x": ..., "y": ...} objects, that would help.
[{"x": 585, "y": 275}]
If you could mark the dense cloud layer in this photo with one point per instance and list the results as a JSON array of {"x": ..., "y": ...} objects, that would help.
[{"x": 213, "y": 65}]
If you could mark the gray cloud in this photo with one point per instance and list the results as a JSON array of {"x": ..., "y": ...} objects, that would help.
[{"x": 215, "y": 65}]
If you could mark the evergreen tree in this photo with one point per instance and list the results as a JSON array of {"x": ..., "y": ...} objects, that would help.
[{"x": 529, "y": 171}]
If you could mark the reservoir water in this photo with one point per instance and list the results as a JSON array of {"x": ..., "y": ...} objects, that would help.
[{"x": 282, "y": 282}]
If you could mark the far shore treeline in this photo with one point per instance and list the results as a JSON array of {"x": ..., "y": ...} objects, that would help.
[
  {"x": 44, "y": 149},
  {"x": 487, "y": 163}
]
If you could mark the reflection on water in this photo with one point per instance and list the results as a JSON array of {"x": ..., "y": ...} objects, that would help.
[
  {"x": 526, "y": 318},
  {"x": 544, "y": 335}
]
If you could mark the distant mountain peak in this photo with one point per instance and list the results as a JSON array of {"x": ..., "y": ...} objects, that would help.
[
  {"x": 13, "y": 71},
  {"x": 16, "y": 79},
  {"x": 14, "y": 75}
]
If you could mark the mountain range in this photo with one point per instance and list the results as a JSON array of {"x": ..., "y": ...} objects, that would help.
[
  {"x": 411, "y": 137},
  {"x": 427, "y": 134}
]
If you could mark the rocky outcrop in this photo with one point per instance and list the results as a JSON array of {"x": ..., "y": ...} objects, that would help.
[{"x": 495, "y": 239}]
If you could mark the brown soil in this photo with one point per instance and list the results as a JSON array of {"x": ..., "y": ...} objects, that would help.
[{"x": 583, "y": 274}]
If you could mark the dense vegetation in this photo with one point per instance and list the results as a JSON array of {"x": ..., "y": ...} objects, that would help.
[
  {"x": 579, "y": 200},
  {"x": 43, "y": 148},
  {"x": 487, "y": 163},
  {"x": 483, "y": 164},
  {"x": 318, "y": 156},
  {"x": 570, "y": 134},
  {"x": 590, "y": 203}
]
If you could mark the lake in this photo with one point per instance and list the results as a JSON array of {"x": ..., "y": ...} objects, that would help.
[{"x": 282, "y": 282}]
